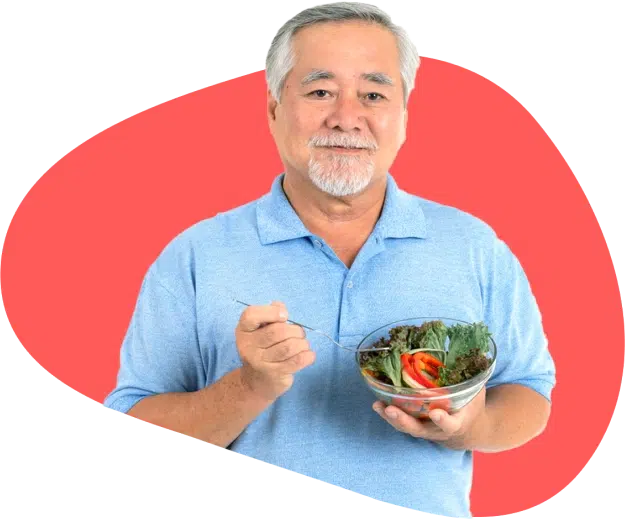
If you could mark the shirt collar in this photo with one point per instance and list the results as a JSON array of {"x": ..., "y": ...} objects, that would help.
[{"x": 402, "y": 216}]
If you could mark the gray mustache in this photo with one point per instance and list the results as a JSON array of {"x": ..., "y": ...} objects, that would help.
[{"x": 345, "y": 141}]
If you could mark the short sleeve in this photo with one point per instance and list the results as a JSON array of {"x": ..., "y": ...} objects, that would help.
[
  {"x": 160, "y": 352},
  {"x": 511, "y": 313}
]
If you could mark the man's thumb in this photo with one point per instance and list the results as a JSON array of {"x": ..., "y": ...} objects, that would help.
[{"x": 283, "y": 312}]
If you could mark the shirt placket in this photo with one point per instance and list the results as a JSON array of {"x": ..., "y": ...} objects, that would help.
[{"x": 348, "y": 331}]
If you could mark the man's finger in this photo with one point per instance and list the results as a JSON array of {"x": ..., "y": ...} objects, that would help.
[
  {"x": 297, "y": 362},
  {"x": 285, "y": 350},
  {"x": 449, "y": 424},
  {"x": 274, "y": 333},
  {"x": 256, "y": 315},
  {"x": 403, "y": 422}
]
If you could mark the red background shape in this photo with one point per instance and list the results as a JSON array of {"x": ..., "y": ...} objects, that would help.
[{"x": 81, "y": 241}]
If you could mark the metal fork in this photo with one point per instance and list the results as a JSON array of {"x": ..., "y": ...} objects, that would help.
[{"x": 350, "y": 349}]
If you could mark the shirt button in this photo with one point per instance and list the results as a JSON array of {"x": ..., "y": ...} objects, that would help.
[
  {"x": 350, "y": 284},
  {"x": 317, "y": 243}
]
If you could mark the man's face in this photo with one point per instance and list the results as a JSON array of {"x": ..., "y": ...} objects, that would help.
[{"x": 341, "y": 119}]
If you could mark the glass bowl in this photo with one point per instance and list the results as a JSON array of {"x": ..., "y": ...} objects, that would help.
[{"x": 418, "y": 402}]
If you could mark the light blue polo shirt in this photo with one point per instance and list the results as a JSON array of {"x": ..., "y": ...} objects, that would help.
[{"x": 422, "y": 259}]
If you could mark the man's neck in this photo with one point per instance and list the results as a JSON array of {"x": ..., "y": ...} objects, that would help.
[{"x": 331, "y": 217}]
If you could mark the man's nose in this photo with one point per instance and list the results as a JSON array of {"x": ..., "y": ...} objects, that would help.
[{"x": 347, "y": 114}]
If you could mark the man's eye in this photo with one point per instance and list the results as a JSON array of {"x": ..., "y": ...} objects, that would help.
[
  {"x": 374, "y": 96},
  {"x": 319, "y": 93}
]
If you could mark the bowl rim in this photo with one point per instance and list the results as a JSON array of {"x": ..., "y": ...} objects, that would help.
[{"x": 415, "y": 392}]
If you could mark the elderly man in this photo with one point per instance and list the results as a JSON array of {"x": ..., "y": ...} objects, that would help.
[{"x": 337, "y": 245}]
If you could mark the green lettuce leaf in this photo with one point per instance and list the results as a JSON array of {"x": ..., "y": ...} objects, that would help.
[{"x": 465, "y": 338}]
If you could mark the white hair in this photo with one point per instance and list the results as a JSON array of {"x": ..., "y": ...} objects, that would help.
[{"x": 280, "y": 58}]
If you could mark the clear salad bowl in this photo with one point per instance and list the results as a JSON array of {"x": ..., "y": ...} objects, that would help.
[{"x": 418, "y": 402}]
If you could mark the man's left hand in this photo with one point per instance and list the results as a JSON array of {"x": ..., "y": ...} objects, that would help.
[{"x": 456, "y": 431}]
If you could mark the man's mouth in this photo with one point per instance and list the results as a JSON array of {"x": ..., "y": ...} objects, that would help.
[{"x": 345, "y": 149}]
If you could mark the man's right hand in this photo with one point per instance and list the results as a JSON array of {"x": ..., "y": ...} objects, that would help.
[{"x": 271, "y": 349}]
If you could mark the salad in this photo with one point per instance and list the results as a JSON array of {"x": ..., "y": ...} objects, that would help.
[{"x": 430, "y": 355}]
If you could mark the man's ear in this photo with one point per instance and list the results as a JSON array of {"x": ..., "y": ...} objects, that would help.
[
  {"x": 272, "y": 104},
  {"x": 405, "y": 125}
]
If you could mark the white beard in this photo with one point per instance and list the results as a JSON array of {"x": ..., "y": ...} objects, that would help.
[{"x": 341, "y": 175}]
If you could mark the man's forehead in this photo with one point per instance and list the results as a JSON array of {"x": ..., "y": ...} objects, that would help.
[{"x": 343, "y": 44}]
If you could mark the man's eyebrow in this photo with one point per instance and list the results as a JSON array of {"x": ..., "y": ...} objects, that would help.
[
  {"x": 316, "y": 75},
  {"x": 376, "y": 77}
]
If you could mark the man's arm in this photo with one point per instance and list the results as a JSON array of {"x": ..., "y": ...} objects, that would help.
[
  {"x": 163, "y": 375},
  {"x": 516, "y": 407},
  {"x": 512, "y": 416},
  {"x": 216, "y": 414},
  {"x": 502, "y": 418}
]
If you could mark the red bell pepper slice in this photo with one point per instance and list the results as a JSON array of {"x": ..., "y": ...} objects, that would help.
[
  {"x": 421, "y": 378},
  {"x": 428, "y": 359},
  {"x": 414, "y": 372},
  {"x": 428, "y": 368}
]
